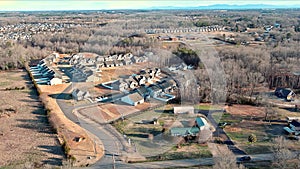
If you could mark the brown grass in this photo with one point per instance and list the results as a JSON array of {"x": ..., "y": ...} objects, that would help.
[{"x": 25, "y": 134}]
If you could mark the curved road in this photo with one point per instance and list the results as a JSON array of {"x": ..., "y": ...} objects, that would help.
[{"x": 112, "y": 143}]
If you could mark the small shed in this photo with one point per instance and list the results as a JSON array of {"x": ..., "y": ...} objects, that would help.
[
  {"x": 184, "y": 110},
  {"x": 285, "y": 93}
]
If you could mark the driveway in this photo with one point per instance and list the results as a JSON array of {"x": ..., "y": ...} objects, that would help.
[{"x": 220, "y": 132}]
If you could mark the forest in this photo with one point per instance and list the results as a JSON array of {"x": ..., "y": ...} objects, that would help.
[{"x": 247, "y": 67}]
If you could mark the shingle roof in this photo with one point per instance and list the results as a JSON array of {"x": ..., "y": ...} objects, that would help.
[{"x": 135, "y": 97}]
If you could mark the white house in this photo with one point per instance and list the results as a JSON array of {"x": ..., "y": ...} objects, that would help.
[
  {"x": 80, "y": 95},
  {"x": 55, "y": 81}
]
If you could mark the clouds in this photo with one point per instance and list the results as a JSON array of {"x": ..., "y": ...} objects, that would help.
[{"x": 18, "y": 5}]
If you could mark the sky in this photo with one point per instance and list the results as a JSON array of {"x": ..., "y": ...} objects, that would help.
[{"x": 31, "y": 5}]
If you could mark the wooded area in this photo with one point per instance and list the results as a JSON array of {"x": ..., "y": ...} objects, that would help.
[{"x": 272, "y": 63}]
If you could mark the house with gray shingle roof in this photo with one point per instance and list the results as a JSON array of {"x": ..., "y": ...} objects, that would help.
[{"x": 133, "y": 99}]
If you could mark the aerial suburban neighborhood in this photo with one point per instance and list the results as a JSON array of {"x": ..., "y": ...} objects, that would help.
[{"x": 182, "y": 86}]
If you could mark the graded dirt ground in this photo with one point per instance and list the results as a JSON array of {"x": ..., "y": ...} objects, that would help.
[{"x": 27, "y": 139}]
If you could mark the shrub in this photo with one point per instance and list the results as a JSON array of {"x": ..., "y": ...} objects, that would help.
[{"x": 252, "y": 138}]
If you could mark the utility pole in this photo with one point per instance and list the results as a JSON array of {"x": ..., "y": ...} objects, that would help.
[{"x": 114, "y": 161}]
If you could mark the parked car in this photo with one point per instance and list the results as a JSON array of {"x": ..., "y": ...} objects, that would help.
[
  {"x": 223, "y": 124},
  {"x": 245, "y": 158},
  {"x": 101, "y": 98}
]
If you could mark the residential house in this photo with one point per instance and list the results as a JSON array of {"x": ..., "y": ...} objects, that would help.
[
  {"x": 80, "y": 94},
  {"x": 127, "y": 61},
  {"x": 285, "y": 93},
  {"x": 109, "y": 64},
  {"x": 184, "y": 110},
  {"x": 201, "y": 123},
  {"x": 108, "y": 58},
  {"x": 99, "y": 58},
  {"x": 154, "y": 90},
  {"x": 120, "y": 85},
  {"x": 149, "y": 78},
  {"x": 295, "y": 125},
  {"x": 136, "y": 59},
  {"x": 133, "y": 99},
  {"x": 167, "y": 85},
  {"x": 55, "y": 81},
  {"x": 140, "y": 79},
  {"x": 157, "y": 72},
  {"x": 143, "y": 91},
  {"x": 184, "y": 131},
  {"x": 118, "y": 63},
  {"x": 132, "y": 84},
  {"x": 128, "y": 55}
]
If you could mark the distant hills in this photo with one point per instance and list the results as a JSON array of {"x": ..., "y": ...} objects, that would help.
[{"x": 226, "y": 6}]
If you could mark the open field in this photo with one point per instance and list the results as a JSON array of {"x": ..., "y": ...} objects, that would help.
[{"x": 27, "y": 139}]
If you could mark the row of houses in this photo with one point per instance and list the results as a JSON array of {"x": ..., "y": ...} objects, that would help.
[
  {"x": 159, "y": 91},
  {"x": 43, "y": 73},
  {"x": 176, "y": 38},
  {"x": 81, "y": 73},
  {"x": 143, "y": 86},
  {"x": 177, "y": 30},
  {"x": 135, "y": 80},
  {"x": 106, "y": 61},
  {"x": 87, "y": 69}
]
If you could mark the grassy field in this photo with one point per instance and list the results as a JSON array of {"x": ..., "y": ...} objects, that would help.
[
  {"x": 184, "y": 152},
  {"x": 208, "y": 107}
]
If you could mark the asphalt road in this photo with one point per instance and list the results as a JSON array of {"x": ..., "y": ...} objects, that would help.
[{"x": 111, "y": 143}]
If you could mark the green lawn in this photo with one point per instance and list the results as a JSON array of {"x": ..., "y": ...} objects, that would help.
[
  {"x": 193, "y": 150},
  {"x": 207, "y": 107},
  {"x": 226, "y": 117}
]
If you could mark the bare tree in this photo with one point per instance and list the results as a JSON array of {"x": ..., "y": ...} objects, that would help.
[
  {"x": 282, "y": 155},
  {"x": 226, "y": 161}
]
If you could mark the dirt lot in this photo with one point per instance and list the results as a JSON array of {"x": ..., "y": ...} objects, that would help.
[
  {"x": 108, "y": 112},
  {"x": 246, "y": 110},
  {"x": 27, "y": 139},
  {"x": 114, "y": 73}
]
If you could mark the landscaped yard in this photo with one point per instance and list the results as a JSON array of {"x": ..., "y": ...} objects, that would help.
[{"x": 150, "y": 140}]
